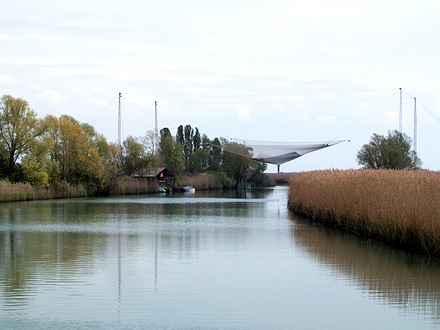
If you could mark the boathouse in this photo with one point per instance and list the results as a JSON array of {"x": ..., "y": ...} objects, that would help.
[{"x": 160, "y": 175}]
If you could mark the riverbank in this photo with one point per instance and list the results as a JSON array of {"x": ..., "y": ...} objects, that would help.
[
  {"x": 13, "y": 192},
  {"x": 399, "y": 208}
]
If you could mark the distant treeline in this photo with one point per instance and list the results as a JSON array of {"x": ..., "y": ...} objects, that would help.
[{"x": 60, "y": 156}]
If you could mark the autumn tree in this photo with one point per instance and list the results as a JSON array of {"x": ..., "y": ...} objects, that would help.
[
  {"x": 109, "y": 155},
  {"x": 391, "y": 152},
  {"x": 35, "y": 164},
  {"x": 72, "y": 156},
  {"x": 19, "y": 128}
]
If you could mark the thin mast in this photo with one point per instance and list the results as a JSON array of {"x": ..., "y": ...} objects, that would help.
[
  {"x": 415, "y": 125},
  {"x": 156, "y": 133},
  {"x": 400, "y": 112},
  {"x": 119, "y": 120}
]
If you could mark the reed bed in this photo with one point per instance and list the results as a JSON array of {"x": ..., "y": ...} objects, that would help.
[
  {"x": 13, "y": 192},
  {"x": 205, "y": 181},
  {"x": 400, "y": 208},
  {"x": 133, "y": 186}
]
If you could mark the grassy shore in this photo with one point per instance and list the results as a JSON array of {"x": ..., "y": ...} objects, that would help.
[{"x": 400, "y": 208}]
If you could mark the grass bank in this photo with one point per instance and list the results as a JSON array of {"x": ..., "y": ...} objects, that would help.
[{"x": 400, "y": 208}]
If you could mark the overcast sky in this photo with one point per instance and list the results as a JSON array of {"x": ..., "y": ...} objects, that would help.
[{"x": 300, "y": 71}]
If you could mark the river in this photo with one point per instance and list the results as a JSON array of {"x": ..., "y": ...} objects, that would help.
[{"x": 201, "y": 261}]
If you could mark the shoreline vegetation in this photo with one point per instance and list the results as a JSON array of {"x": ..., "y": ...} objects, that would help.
[
  {"x": 55, "y": 157},
  {"x": 398, "y": 208},
  {"x": 21, "y": 191}
]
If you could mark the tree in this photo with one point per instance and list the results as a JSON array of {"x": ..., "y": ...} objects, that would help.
[
  {"x": 135, "y": 156},
  {"x": 72, "y": 155},
  {"x": 171, "y": 153},
  {"x": 214, "y": 154},
  {"x": 198, "y": 161},
  {"x": 19, "y": 128},
  {"x": 391, "y": 152},
  {"x": 164, "y": 132},
  {"x": 238, "y": 164}
]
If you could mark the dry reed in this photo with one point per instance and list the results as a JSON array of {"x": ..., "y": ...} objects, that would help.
[
  {"x": 401, "y": 208},
  {"x": 202, "y": 181},
  {"x": 12, "y": 192},
  {"x": 133, "y": 186}
]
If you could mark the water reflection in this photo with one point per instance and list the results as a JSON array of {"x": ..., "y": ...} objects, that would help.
[
  {"x": 409, "y": 281},
  {"x": 195, "y": 262},
  {"x": 59, "y": 241}
]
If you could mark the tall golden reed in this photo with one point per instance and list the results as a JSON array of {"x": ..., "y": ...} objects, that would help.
[
  {"x": 21, "y": 191},
  {"x": 133, "y": 186},
  {"x": 202, "y": 181},
  {"x": 401, "y": 208}
]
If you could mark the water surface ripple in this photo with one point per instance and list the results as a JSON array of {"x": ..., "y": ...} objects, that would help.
[{"x": 203, "y": 261}]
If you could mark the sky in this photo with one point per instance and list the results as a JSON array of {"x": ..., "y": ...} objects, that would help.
[{"x": 299, "y": 71}]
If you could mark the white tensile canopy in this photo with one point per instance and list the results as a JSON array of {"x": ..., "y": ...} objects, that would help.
[{"x": 279, "y": 152}]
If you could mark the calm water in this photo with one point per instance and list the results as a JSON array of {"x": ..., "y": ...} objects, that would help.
[{"x": 201, "y": 262}]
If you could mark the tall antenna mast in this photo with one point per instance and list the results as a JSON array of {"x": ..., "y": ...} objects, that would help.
[
  {"x": 415, "y": 125},
  {"x": 400, "y": 112},
  {"x": 119, "y": 120},
  {"x": 156, "y": 132}
]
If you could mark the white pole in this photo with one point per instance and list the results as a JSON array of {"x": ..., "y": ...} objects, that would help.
[
  {"x": 156, "y": 133},
  {"x": 119, "y": 120},
  {"x": 415, "y": 125},
  {"x": 400, "y": 112}
]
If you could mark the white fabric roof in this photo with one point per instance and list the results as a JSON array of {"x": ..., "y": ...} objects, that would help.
[{"x": 280, "y": 152}]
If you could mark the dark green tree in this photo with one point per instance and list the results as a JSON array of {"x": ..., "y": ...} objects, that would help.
[
  {"x": 391, "y": 152},
  {"x": 238, "y": 164},
  {"x": 164, "y": 132},
  {"x": 197, "y": 140},
  {"x": 214, "y": 154},
  {"x": 171, "y": 154},
  {"x": 180, "y": 136},
  {"x": 198, "y": 161}
]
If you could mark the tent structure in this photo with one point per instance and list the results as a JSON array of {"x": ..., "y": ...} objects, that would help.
[{"x": 275, "y": 152}]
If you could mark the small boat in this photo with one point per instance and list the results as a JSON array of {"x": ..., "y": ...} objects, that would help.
[
  {"x": 189, "y": 189},
  {"x": 161, "y": 190}
]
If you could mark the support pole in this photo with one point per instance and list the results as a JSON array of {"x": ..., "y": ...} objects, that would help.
[
  {"x": 278, "y": 168},
  {"x": 156, "y": 133},
  {"x": 119, "y": 121},
  {"x": 415, "y": 125},
  {"x": 400, "y": 112}
]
